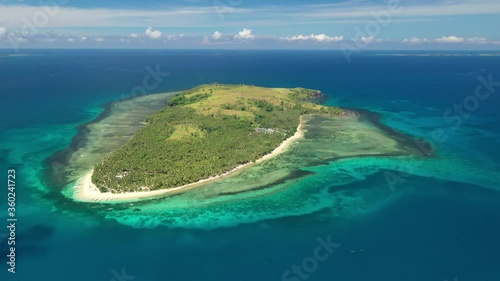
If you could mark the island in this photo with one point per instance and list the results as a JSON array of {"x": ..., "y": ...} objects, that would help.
[{"x": 202, "y": 135}]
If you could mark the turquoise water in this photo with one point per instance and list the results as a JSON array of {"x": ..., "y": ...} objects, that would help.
[{"x": 438, "y": 220}]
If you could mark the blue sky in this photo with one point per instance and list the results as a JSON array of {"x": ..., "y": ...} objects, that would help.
[{"x": 291, "y": 24}]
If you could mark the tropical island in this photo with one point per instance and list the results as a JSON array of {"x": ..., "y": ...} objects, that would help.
[{"x": 206, "y": 133}]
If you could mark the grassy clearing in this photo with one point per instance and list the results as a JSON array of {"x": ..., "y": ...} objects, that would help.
[{"x": 183, "y": 131}]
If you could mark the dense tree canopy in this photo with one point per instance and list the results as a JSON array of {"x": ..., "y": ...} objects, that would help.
[{"x": 202, "y": 133}]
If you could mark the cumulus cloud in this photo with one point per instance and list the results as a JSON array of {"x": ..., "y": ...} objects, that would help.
[
  {"x": 455, "y": 39},
  {"x": 153, "y": 34},
  {"x": 245, "y": 34},
  {"x": 450, "y": 39},
  {"x": 3, "y": 31},
  {"x": 83, "y": 38},
  {"x": 319, "y": 38},
  {"x": 172, "y": 37},
  {"x": 99, "y": 40},
  {"x": 134, "y": 35},
  {"x": 470, "y": 40},
  {"x": 217, "y": 35},
  {"x": 415, "y": 40},
  {"x": 368, "y": 40},
  {"x": 71, "y": 40}
]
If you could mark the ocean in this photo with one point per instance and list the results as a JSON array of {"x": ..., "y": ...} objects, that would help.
[{"x": 366, "y": 218}]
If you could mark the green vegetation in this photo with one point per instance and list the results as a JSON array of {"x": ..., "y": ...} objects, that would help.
[
  {"x": 181, "y": 99},
  {"x": 205, "y": 132}
]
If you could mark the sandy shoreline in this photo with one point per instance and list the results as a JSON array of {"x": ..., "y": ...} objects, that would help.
[{"x": 86, "y": 191}]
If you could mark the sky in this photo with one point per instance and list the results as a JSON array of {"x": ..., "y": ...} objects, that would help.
[{"x": 251, "y": 24}]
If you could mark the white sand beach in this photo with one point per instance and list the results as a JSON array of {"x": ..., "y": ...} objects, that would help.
[{"x": 86, "y": 191}]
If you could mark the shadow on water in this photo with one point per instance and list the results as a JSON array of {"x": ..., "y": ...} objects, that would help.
[{"x": 30, "y": 240}]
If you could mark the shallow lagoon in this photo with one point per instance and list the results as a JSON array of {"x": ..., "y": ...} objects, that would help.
[{"x": 292, "y": 183}]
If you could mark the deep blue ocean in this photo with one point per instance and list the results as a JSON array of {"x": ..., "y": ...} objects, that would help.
[{"x": 443, "y": 224}]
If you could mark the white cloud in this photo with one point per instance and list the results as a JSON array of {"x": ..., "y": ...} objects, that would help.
[
  {"x": 3, "y": 31},
  {"x": 358, "y": 9},
  {"x": 319, "y": 38},
  {"x": 134, "y": 35},
  {"x": 415, "y": 40},
  {"x": 367, "y": 40},
  {"x": 478, "y": 40},
  {"x": 205, "y": 40},
  {"x": 450, "y": 39},
  {"x": 153, "y": 34},
  {"x": 71, "y": 40},
  {"x": 245, "y": 34},
  {"x": 217, "y": 35},
  {"x": 99, "y": 40},
  {"x": 83, "y": 38},
  {"x": 202, "y": 16},
  {"x": 455, "y": 39},
  {"x": 72, "y": 17}
]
